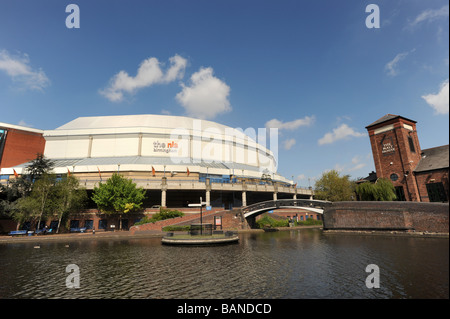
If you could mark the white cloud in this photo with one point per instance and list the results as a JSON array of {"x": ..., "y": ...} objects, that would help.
[
  {"x": 292, "y": 125},
  {"x": 19, "y": 69},
  {"x": 357, "y": 163},
  {"x": 430, "y": 15},
  {"x": 391, "y": 66},
  {"x": 206, "y": 96},
  {"x": 287, "y": 144},
  {"x": 439, "y": 102},
  {"x": 339, "y": 133},
  {"x": 23, "y": 123},
  {"x": 149, "y": 73}
]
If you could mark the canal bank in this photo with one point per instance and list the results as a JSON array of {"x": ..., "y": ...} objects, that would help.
[
  {"x": 159, "y": 234},
  {"x": 117, "y": 235}
]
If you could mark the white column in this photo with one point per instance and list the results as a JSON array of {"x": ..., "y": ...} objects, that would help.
[{"x": 244, "y": 198}]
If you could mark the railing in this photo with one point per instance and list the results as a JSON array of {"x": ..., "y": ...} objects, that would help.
[
  {"x": 286, "y": 203},
  {"x": 156, "y": 183}
]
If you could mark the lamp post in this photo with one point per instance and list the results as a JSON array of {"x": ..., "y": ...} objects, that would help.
[{"x": 201, "y": 217}]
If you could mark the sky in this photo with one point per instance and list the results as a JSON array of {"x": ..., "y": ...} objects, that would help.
[{"x": 319, "y": 70}]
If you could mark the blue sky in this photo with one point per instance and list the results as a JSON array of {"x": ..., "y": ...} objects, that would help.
[{"x": 311, "y": 68}]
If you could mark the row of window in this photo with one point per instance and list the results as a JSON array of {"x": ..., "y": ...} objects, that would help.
[{"x": 89, "y": 224}]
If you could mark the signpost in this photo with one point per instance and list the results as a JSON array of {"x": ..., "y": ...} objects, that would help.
[{"x": 201, "y": 217}]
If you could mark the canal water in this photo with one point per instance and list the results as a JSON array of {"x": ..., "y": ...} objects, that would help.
[{"x": 287, "y": 264}]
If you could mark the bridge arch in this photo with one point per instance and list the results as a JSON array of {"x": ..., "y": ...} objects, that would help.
[{"x": 256, "y": 209}]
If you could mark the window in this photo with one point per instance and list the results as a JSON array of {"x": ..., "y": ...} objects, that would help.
[
  {"x": 411, "y": 144},
  {"x": 102, "y": 223},
  {"x": 88, "y": 223},
  {"x": 436, "y": 192},
  {"x": 74, "y": 223},
  {"x": 400, "y": 193},
  {"x": 54, "y": 224},
  {"x": 394, "y": 177}
]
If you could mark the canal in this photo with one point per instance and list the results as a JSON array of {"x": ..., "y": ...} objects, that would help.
[{"x": 283, "y": 265}]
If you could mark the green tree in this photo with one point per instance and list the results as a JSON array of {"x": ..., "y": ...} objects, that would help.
[
  {"x": 38, "y": 167},
  {"x": 118, "y": 195},
  {"x": 13, "y": 198},
  {"x": 39, "y": 202},
  {"x": 68, "y": 197},
  {"x": 381, "y": 190},
  {"x": 333, "y": 187}
]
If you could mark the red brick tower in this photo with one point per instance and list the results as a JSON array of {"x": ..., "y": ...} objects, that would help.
[{"x": 396, "y": 152}]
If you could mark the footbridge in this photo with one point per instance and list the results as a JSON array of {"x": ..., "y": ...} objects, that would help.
[{"x": 306, "y": 204}]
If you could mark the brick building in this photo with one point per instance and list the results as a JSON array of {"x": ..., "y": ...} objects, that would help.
[
  {"x": 19, "y": 144},
  {"x": 417, "y": 175}
]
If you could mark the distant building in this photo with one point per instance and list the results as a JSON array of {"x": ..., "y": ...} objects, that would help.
[
  {"x": 417, "y": 175},
  {"x": 176, "y": 159},
  {"x": 19, "y": 144}
]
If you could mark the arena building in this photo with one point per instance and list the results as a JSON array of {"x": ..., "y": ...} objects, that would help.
[{"x": 176, "y": 159}]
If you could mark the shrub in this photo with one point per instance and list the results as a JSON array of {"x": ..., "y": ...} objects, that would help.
[
  {"x": 163, "y": 214},
  {"x": 268, "y": 221},
  {"x": 177, "y": 228}
]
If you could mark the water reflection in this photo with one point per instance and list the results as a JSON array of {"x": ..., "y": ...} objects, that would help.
[{"x": 287, "y": 264}]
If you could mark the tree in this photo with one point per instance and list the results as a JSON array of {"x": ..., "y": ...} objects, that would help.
[
  {"x": 381, "y": 190},
  {"x": 68, "y": 197},
  {"x": 38, "y": 167},
  {"x": 333, "y": 187},
  {"x": 24, "y": 197},
  {"x": 118, "y": 195},
  {"x": 39, "y": 202}
]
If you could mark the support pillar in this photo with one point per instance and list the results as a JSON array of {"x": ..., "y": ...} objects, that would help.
[
  {"x": 244, "y": 198},
  {"x": 208, "y": 192},
  {"x": 163, "y": 198},
  {"x": 164, "y": 192},
  {"x": 275, "y": 195},
  {"x": 208, "y": 198}
]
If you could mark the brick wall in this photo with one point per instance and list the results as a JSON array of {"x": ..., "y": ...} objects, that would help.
[
  {"x": 436, "y": 176},
  {"x": 187, "y": 219},
  {"x": 21, "y": 147},
  {"x": 417, "y": 216}
]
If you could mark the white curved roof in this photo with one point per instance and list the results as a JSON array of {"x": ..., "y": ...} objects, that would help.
[{"x": 137, "y": 120}]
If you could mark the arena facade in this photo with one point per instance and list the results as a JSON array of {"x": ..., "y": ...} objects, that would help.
[{"x": 176, "y": 159}]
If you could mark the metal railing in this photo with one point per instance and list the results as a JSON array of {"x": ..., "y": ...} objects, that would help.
[{"x": 286, "y": 203}]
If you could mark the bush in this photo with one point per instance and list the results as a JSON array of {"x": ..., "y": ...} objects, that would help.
[
  {"x": 268, "y": 221},
  {"x": 163, "y": 214},
  {"x": 381, "y": 190},
  {"x": 177, "y": 228}
]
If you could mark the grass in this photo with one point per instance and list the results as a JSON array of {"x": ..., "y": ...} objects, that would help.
[{"x": 187, "y": 236}]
